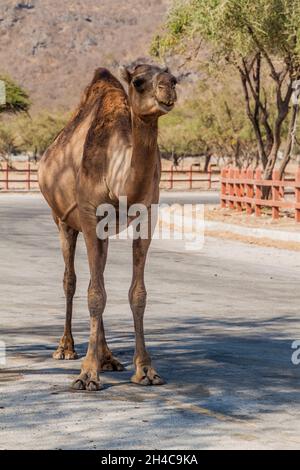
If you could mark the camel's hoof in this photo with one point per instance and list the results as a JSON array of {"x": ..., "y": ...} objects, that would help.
[
  {"x": 85, "y": 382},
  {"x": 112, "y": 364},
  {"x": 71, "y": 355},
  {"x": 93, "y": 385},
  {"x": 78, "y": 384},
  {"x": 66, "y": 354},
  {"x": 147, "y": 376}
]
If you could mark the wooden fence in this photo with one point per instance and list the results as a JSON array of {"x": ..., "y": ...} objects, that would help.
[
  {"x": 243, "y": 189},
  {"x": 24, "y": 177},
  {"x": 189, "y": 178}
]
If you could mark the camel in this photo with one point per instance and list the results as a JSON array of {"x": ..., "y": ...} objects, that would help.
[{"x": 107, "y": 150}]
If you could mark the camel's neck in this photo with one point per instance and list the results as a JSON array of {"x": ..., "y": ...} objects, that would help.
[{"x": 144, "y": 158}]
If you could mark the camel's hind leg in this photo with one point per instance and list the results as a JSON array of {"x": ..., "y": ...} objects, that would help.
[
  {"x": 68, "y": 238},
  {"x": 145, "y": 374}
]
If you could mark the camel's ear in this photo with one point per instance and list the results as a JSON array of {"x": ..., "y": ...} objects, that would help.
[{"x": 125, "y": 74}]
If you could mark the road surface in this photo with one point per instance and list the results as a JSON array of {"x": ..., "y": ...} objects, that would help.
[
  {"x": 219, "y": 325},
  {"x": 190, "y": 197}
]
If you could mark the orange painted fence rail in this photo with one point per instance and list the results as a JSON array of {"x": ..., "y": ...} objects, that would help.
[
  {"x": 190, "y": 178},
  {"x": 25, "y": 177},
  {"x": 243, "y": 189}
]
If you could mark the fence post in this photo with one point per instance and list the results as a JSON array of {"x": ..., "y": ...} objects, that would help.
[
  {"x": 6, "y": 177},
  {"x": 297, "y": 196},
  {"x": 243, "y": 176},
  {"x": 275, "y": 194},
  {"x": 249, "y": 190},
  {"x": 258, "y": 192},
  {"x": 209, "y": 172},
  {"x": 237, "y": 189},
  {"x": 223, "y": 187},
  {"x": 281, "y": 191},
  {"x": 191, "y": 177},
  {"x": 171, "y": 178},
  {"x": 231, "y": 188},
  {"x": 28, "y": 175}
]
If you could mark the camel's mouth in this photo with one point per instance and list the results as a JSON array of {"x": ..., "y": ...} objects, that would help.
[{"x": 164, "y": 106}]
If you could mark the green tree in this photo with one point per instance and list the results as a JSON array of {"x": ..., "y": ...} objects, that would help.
[
  {"x": 260, "y": 39},
  {"x": 17, "y": 99},
  {"x": 37, "y": 133},
  {"x": 212, "y": 122},
  {"x": 8, "y": 141}
]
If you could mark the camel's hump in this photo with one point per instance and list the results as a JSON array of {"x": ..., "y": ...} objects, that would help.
[{"x": 104, "y": 75}]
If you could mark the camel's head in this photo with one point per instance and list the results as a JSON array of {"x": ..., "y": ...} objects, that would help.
[{"x": 151, "y": 89}]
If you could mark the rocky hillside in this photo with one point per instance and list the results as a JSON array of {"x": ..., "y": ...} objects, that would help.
[{"x": 51, "y": 47}]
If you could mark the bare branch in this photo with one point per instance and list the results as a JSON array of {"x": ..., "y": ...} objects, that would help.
[{"x": 274, "y": 73}]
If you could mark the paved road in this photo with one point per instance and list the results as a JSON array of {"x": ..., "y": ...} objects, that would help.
[
  {"x": 219, "y": 325},
  {"x": 192, "y": 197}
]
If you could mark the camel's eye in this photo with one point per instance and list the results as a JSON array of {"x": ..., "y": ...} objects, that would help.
[{"x": 139, "y": 84}]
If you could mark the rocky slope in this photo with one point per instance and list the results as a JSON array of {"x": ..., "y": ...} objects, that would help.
[{"x": 51, "y": 47}]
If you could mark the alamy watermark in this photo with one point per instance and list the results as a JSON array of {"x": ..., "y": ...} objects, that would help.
[
  {"x": 296, "y": 354},
  {"x": 2, "y": 353},
  {"x": 2, "y": 93},
  {"x": 183, "y": 224}
]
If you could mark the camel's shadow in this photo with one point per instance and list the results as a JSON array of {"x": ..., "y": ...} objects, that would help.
[{"x": 232, "y": 367}]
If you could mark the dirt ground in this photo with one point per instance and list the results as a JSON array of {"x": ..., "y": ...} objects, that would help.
[
  {"x": 285, "y": 223},
  {"x": 219, "y": 325},
  {"x": 229, "y": 216}
]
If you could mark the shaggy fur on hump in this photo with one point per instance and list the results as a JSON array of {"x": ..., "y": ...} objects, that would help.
[{"x": 107, "y": 95}]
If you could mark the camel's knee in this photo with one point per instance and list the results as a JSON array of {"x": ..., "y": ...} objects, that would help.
[
  {"x": 96, "y": 300},
  {"x": 69, "y": 283},
  {"x": 138, "y": 297}
]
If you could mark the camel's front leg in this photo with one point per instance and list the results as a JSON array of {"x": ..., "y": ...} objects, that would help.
[
  {"x": 96, "y": 249},
  {"x": 145, "y": 374}
]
